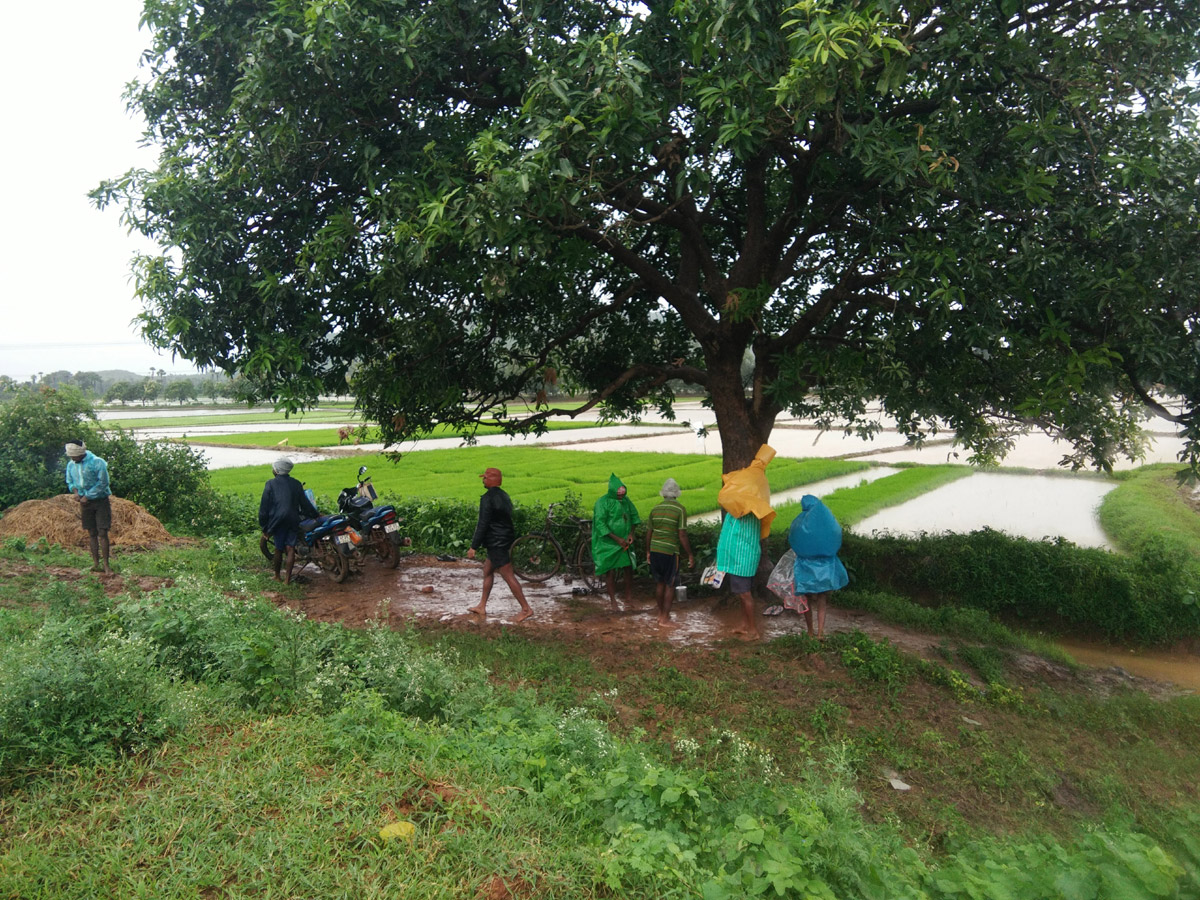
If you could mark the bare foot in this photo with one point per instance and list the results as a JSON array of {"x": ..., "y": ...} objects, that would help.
[
  {"x": 667, "y": 623},
  {"x": 521, "y": 616},
  {"x": 614, "y": 606},
  {"x": 96, "y": 568},
  {"x": 277, "y": 577},
  {"x": 108, "y": 570},
  {"x": 477, "y": 610}
]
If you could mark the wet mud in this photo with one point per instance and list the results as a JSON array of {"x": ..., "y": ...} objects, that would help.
[{"x": 426, "y": 590}]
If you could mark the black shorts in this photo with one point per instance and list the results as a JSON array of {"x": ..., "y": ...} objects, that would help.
[
  {"x": 498, "y": 555},
  {"x": 664, "y": 567},
  {"x": 96, "y": 516},
  {"x": 739, "y": 584}
]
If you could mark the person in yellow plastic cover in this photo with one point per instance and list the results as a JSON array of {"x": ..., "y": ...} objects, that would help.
[
  {"x": 745, "y": 496},
  {"x": 613, "y": 521}
]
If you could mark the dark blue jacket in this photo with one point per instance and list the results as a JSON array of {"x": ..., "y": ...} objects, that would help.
[{"x": 283, "y": 505}]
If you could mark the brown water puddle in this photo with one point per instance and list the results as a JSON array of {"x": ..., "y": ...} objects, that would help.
[
  {"x": 425, "y": 589},
  {"x": 1180, "y": 668}
]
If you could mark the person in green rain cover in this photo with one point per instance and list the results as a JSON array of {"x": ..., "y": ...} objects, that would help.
[{"x": 613, "y": 521}]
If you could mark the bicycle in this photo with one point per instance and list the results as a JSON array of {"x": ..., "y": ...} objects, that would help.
[{"x": 539, "y": 556}]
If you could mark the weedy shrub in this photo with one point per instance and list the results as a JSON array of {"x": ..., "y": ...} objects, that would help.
[
  {"x": 67, "y": 695},
  {"x": 877, "y": 661},
  {"x": 1052, "y": 584}
]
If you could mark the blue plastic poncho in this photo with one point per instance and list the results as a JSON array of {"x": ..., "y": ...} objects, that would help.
[{"x": 815, "y": 537}]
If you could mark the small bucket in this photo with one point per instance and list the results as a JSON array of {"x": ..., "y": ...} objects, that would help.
[{"x": 681, "y": 594}]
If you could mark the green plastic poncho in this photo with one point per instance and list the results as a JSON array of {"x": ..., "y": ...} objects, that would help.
[{"x": 613, "y": 515}]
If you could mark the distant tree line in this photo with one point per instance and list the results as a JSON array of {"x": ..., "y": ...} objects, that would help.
[{"x": 126, "y": 387}]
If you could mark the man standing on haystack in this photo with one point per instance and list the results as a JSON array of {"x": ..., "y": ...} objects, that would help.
[{"x": 87, "y": 479}]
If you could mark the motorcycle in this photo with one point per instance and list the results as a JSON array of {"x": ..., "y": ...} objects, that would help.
[
  {"x": 378, "y": 526},
  {"x": 325, "y": 541}
]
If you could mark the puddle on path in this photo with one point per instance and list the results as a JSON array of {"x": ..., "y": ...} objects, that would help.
[
  {"x": 425, "y": 589},
  {"x": 1031, "y": 506},
  {"x": 1178, "y": 668}
]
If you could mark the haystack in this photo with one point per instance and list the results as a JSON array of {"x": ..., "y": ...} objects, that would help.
[{"x": 57, "y": 520}]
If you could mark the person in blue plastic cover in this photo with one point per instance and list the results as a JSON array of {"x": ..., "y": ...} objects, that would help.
[{"x": 815, "y": 537}]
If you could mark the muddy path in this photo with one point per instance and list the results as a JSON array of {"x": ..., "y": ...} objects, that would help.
[{"x": 430, "y": 592}]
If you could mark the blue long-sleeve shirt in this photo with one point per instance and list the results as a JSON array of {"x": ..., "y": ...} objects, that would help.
[{"x": 89, "y": 477}]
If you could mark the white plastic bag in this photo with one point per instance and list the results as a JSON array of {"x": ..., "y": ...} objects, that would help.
[{"x": 782, "y": 583}]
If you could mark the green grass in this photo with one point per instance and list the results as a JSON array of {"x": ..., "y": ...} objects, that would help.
[
  {"x": 532, "y": 766},
  {"x": 534, "y": 476},
  {"x": 1147, "y": 505}
]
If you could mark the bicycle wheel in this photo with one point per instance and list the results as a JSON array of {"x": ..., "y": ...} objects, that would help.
[
  {"x": 586, "y": 566},
  {"x": 535, "y": 557}
]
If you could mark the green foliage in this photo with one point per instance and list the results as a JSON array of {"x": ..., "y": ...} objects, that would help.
[
  {"x": 877, "y": 199},
  {"x": 166, "y": 478},
  {"x": 1045, "y": 584},
  {"x": 35, "y": 423},
  {"x": 391, "y": 728},
  {"x": 70, "y": 695}
]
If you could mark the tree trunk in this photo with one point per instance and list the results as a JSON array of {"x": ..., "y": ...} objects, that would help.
[{"x": 742, "y": 432}]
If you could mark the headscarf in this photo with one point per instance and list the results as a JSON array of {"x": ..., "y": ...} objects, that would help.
[
  {"x": 75, "y": 448},
  {"x": 747, "y": 491},
  {"x": 670, "y": 490},
  {"x": 282, "y": 466}
]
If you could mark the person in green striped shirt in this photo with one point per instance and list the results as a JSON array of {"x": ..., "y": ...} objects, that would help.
[{"x": 666, "y": 532}]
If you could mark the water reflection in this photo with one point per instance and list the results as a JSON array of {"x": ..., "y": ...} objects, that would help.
[{"x": 1030, "y": 506}]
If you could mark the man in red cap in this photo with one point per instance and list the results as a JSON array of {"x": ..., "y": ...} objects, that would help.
[{"x": 496, "y": 533}]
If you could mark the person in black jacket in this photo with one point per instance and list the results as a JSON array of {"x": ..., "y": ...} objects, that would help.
[
  {"x": 283, "y": 505},
  {"x": 495, "y": 532}
]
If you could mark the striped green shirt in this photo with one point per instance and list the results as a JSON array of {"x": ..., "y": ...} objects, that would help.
[
  {"x": 738, "y": 547},
  {"x": 665, "y": 522}
]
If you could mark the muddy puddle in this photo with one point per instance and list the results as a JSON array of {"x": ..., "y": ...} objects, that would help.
[
  {"x": 1177, "y": 667},
  {"x": 427, "y": 589}
]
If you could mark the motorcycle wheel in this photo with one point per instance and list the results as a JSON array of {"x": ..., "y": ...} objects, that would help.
[
  {"x": 586, "y": 566},
  {"x": 333, "y": 562},
  {"x": 387, "y": 548},
  {"x": 267, "y": 545},
  {"x": 535, "y": 558}
]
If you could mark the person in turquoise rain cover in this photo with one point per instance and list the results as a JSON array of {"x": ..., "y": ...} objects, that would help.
[
  {"x": 613, "y": 522},
  {"x": 815, "y": 537}
]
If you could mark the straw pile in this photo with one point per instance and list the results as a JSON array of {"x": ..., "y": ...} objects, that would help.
[{"x": 57, "y": 520}]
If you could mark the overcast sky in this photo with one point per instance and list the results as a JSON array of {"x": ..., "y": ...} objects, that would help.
[{"x": 67, "y": 297}]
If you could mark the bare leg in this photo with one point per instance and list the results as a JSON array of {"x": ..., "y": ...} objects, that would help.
[
  {"x": 104, "y": 550},
  {"x": 664, "y": 607},
  {"x": 808, "y": 617},
  {"x": 94, "y": 542},
  {"x": 749, "y": 626},
  {"x": 822, "y": 601},
  {"x": 628, "y": 585},
  {"x": 277, "y": 561},
  {"x": 610, "y": 582},
  {"x": 488, "y": 578},
  {"x": 510, "y": 578},
  {"x": 291, "y": 562}
]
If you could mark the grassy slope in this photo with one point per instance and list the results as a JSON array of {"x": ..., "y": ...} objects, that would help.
[
  {"x": 1149, "y": 504},
  {"x": 515, "y": 792}
]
